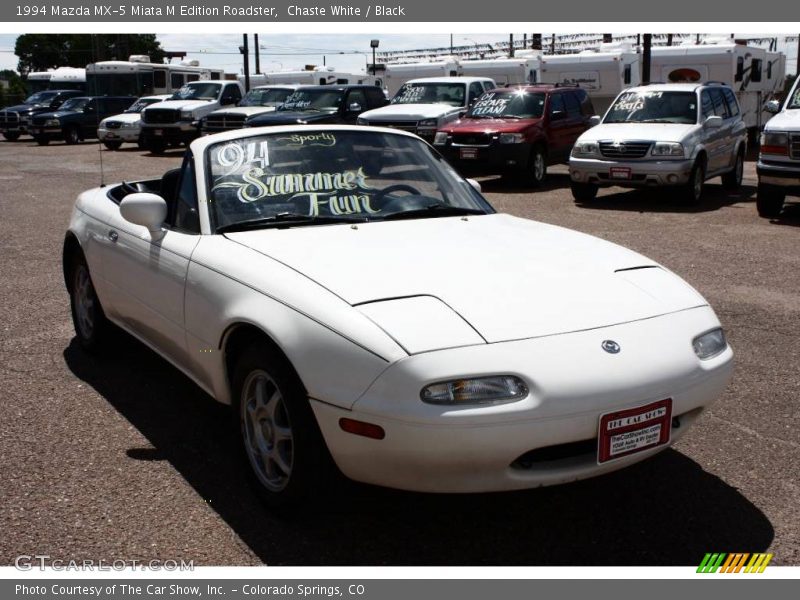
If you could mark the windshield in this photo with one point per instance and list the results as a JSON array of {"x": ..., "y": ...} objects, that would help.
[
  {"x": 74, "y": 104},
  {"x": 794, "y": 101},
  {"x": 431, "y": 93},
  {"x": 41, "y": 98},
  {"x": 267, "y": 97},
  {"x": 508, "y": 105},
  {"x": 141, "y": 104},
  {"x": 319, "y": 176},
  {"x": 313, "y": 100},
  {"x": 198, "y": 91},
  {"x": 653, "y": 107}
]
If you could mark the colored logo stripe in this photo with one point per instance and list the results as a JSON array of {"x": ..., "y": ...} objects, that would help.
[{"x": 733, "y": 563}]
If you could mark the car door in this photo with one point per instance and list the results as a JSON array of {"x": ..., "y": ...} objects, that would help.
[
  {"x": 576, "y": 120},
  {"x": 354, "y": 97},
  {"x": 560, "y": 128},
  {"x": 721, "y": 135},
  {"x": 89, "y": 118},
  {"x": 147, "y": 272}
]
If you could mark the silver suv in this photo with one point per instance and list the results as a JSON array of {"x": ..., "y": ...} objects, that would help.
[{"x": 676, "y": 134}]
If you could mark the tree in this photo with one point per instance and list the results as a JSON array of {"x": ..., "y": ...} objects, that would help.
[
  {"x": 40, "y": 52},
  {"x": 13, "y": 90}
]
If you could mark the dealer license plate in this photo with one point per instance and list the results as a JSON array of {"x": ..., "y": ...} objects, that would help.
[
  {"x": 111, "y": 136},
  {"x": 620, "y": 173},
  {"x": 469, "y": 153},
  {"x": 625, "y": 432},
  {"x": 158, "y": 132}
]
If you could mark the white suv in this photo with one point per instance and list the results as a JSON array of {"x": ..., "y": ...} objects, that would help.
[
  {"x": 424, "y": 105},
  {"x": 674, "y": 134},
  {"x": 779, "y": 156}
]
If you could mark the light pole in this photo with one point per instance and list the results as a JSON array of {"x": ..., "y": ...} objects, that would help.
[{"x": 374, "y": 45}]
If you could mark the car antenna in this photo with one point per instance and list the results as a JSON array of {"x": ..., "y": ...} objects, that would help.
[{"x": 97, "y": 115}]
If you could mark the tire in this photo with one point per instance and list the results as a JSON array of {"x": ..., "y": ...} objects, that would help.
[
  {"x": 72, "y": 136},
  {"x": 42, "y": 141},
  {"x": 537, "y": 166},
  {"x": 156, "y": 146},
  {"x": 92, "y": 328},
  {"x": 583, "y": 192},
  {"x": 692, "y": 191},
  {"x": 113, "y": 145},
  {"x": 11, "y": 136},
  {"x": 733, "y": 179},
  {"x": 287, "y": 457},
  {"x": 769, "y": 201}
]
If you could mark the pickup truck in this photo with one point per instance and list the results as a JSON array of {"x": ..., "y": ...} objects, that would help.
[
  {"x": 177, "y": 120},
  {"x": 778, "y": 165},
  {"x": 77, "y": 119},
  {"x": 258, "y": 101},
  {"x": 15, "y": 120}
]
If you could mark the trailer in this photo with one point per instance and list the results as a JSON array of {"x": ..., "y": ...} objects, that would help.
[
  {"x": 139, "y": 77},
  {"x": 312, "y": 76},
  {"x": 395, "y": 75},
  {"x": 603, "y": 72},
  {"x": 68, "y": 78},
  {"x": 754, "y": 74},
  {"x": 524, "y": 68}
]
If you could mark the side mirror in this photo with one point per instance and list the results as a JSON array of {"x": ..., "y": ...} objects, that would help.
[
  {"x": 145, "y": 209},
  {"x": 475, "y": 185},
  {"x": 594, "y": 120},
  {"x": 227, "y": 101},
  {"x": 557, "y": 115},
  {"x": 713, "y": 122},
  {"x": 773, "y": 107},
  {"x": 354, "y": 107}
]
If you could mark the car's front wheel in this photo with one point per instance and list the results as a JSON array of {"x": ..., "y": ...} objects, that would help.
[
  {"x": 72, "y": 136},
  {"x": 41, "y": 140},
  {"x": 113, "y": 145},
  {"x": 583, "y": 192},
  {"x": 156, "y": 146},
  {"x": 11, "y": 136},
  {"x": 90, "y": 322},
  {"x": 537, "y": 166},
  {"x": 279, "y": 435},
  {"x": 769, "y": 201},
  {"x": 692, "y": 191},
  {"x": 733, "y": 179}
]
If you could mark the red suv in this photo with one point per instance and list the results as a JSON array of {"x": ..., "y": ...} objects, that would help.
[{"x": 517, "y": 131}]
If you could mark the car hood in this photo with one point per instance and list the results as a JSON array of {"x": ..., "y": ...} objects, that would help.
[
  {"x": 410, "y": 111},
  {"x": 246, "y": 110},
  {"x": 292, "y": 117},
  {"x": 125, "y": 118},
  {"x": 662, "y": 132},
  {"x": 489, "y": 125},
  {"x": 56, "y": 114},
  {"x": 509, "y": 278},
  {"x": 181, "y": 104},
  {"x": 25, "y": 108},
  {"x": 788, "y": 119}
]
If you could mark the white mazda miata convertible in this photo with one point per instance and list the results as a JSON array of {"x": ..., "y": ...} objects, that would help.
[{"x": 354, "y": 299}]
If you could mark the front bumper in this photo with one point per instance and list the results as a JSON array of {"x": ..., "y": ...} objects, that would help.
[
  {"x": 638, "y": 173},
  {"x": 785, "y": 175},
  {"x": 49, "y": 132},
  {"x": 487, "y": 160},
  {"x": 493, "y": 448},
  {"x": 129, "y": 134},
  {"x": 183, "y": 131}
]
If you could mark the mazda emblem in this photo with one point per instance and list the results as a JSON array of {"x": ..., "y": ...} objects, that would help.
[{"x": 611, "y": 346}]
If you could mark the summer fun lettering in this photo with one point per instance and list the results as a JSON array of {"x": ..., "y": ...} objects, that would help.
[{"x": 323, "y": 189}]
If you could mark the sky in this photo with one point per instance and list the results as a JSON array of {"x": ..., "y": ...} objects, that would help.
[{"x": 346, "y": 52}]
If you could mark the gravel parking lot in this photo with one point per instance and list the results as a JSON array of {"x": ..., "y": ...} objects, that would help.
[{"x": 122, "y": 457}]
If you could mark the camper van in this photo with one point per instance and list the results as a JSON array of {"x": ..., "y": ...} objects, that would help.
[
  {"x": 139, "y": 77},
  {"x": 753, "y": 73},
  {"x": 603, "y": 72},
  {"x": 311, "y": 76}
]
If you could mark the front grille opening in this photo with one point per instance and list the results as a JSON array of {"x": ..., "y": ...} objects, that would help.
[{"x": 559, "y": 452}]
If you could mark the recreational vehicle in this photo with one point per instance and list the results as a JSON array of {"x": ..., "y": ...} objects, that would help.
[
  {"x": 139, "y": 77},
  {"x": 313, "y": 76},
  {"x": 522, "y": 69}
]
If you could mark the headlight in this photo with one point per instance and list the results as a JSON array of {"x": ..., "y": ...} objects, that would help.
[
  {"x": 360, "y": 121},
  {"x": 774, "y": 142},
  {"x": 481, "y": 390},
  {"x": 187, "y": 115},
  {"x": 52, "y": 123},
  {"x": 709, "y": 344},
  {"x": 428, "y": 124},
  {"x": 586, "y": 149},
  {"x": 511, "y": 138},
  {"x": 128, "y": 125},
  {"x": 668, "y": 149},
  {"x": 440, "y": 139}
]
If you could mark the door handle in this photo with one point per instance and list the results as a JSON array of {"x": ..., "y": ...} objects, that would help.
[{"x": 113, "y": 235}]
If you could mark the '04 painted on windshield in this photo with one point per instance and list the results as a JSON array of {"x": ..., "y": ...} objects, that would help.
[{"x": 363, "y": 309}]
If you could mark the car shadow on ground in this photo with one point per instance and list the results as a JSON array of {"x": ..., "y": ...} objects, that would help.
[
  {"x": 667, "y": 200},
  {"x": 665, "y": 511},
  {"x": 790, "y": 214}
]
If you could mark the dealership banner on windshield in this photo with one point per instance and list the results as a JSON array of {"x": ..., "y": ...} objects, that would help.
[{"x": 390, "y": 11}]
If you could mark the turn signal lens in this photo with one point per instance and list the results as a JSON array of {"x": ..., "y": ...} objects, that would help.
[
  {"x": 369, "y": 430},
  {"x": 481, "y": 390}
]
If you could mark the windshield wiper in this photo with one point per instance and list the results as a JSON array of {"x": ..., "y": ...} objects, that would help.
[
  {"x": 285, "y": 218},
  {"x": 434, "y": 210},
  {"x": 658, "y": 121}
]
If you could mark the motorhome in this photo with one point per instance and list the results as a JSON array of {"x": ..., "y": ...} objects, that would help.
[
  {"x": 139, "y": 77},
  {"x": 67, "y": 78},
  {"x": 603, "y": 72},
  {"x": 753, "y": 73},
  {"x": 38, "y": 81},
  {"x": 395, "y": 75},
  {"x": 524, "y": 68},
  {"x": 312, "y": 76}
]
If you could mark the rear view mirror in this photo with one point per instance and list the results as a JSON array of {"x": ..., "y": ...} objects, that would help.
[
  {"x": 147, "y": 210},
  {"x": 475, "y": 185},
  {"x": 713, "y": 122},
  {"x": 354, "y": 107},
  {"x": 773, "y": 107},
  {"x": 557, "y": 115}
]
